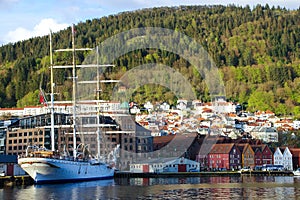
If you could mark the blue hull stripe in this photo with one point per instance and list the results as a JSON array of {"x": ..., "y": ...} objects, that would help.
[{"x": 71, "y": 180}]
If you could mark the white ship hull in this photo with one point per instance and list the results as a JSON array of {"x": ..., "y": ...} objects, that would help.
[{"x": 49, "y": 170}]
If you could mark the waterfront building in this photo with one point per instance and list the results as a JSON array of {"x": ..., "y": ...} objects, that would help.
[
  {"x": 35, "y": 131},
  {"x": 263, "y": 154},
  {"x": 161, "y": 165},
  {"x": 9, "y": 166},
  {"x": 135, "y": 141},
  {"x": 3, "y": 129},
  {"x": 296, "y": 157},
  {"x": 247, "y": 158},
  {"x": 287, "y": 159},
  {"x": 278, "y": 157},
  {"x": 224, "y": 156}
]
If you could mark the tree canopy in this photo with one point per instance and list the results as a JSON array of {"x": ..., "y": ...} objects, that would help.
[{"x": 256, "y": 49}]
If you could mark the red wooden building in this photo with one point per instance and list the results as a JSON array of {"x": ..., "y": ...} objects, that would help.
[
  {"x": 263, "y": 154},
  {"x": 296, "y": 157},
  {"x": 224, "y": 156}
]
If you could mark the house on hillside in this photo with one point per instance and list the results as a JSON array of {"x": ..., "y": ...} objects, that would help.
[
  {"x": 226, "y": 156},
  {"x": 182, "y": 104},
  {"x": 164, "y": 106},
  {"x": 149, "y": 106},
  {"x": 266, "y": 134}
]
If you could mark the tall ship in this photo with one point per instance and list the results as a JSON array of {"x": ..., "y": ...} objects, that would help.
[{"x": 49, "y": 166}]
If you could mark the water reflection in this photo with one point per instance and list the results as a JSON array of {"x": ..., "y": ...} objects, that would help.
[
  {"x": 241, "y": 187},
  {"x": 78, "y": 190}
]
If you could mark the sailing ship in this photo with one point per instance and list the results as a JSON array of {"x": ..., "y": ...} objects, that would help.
[{"x": 48, "y": 166}]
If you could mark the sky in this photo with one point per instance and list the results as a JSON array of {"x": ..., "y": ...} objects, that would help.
[{"x": 24, "y": 19}]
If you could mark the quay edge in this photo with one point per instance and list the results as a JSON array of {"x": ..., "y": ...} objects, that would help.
[{"x": 123, "y": 174}]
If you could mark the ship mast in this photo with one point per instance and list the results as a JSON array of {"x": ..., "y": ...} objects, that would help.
[
  {"x": 74, "y": 91},
  {"x": 98, "y": 114},
  {"x": 52, "y": 95},
  {"x": 75, "y": 82}
]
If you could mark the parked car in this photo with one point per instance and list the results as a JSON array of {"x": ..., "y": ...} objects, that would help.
[
  {"x": 2, "y": 173},
  {"x": 270, "y": 167},
  {"x": 245, "y": 169}
]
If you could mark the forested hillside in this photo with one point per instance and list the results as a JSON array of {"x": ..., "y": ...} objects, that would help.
[{"x": 257, "y": 49}]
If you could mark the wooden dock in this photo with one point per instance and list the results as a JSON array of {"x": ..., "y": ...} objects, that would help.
[{"x": 8, "y": 181}]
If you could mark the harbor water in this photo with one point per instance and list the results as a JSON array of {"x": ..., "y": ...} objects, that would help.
[{"x": 228, "y": 187}]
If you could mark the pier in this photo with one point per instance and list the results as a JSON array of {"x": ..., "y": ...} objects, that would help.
[{"x": 8, "y": 181}]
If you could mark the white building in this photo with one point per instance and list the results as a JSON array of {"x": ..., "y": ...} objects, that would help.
[
  {"x": 181, "y": 104},
  {"x": 164, "y": 106},
  {"x": 278, "y": 157},
  {"x": 162, "y": 165},
  {"x": 287, "y": 159},
  {"x": 296, "y": 124},
  {"x": 222, "y": 106},
  {"x": 266, "y": 134},
  {"x": 149, "y": 106}
]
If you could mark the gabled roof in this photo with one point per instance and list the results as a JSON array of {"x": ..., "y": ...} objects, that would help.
[
  {"x": 221, "y": 148},
  {"x": 295, "y": 152},
  {"x": 279, "y": 150},
  {"x": 258, "y": 147},
  {"x": 243, "y": 147}
]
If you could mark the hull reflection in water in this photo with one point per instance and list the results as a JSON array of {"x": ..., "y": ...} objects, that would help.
[{"x": 241, "y": 187}]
